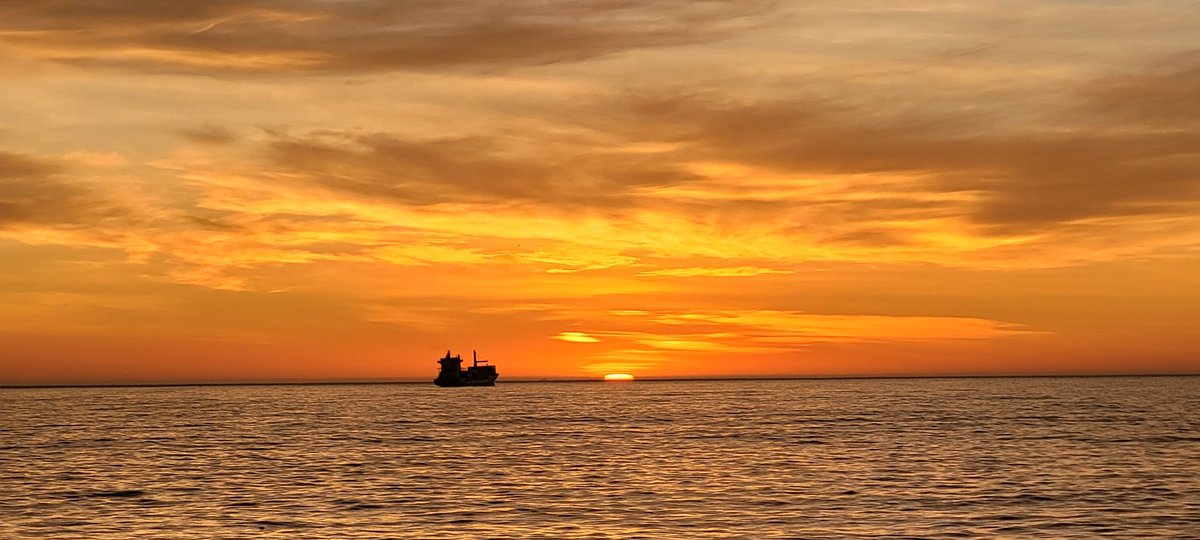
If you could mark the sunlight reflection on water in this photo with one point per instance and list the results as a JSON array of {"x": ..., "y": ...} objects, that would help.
[{"x": 757, "y": 459}]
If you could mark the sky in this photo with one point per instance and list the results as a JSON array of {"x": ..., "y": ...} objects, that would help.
[{"x": 262, "y": 190}]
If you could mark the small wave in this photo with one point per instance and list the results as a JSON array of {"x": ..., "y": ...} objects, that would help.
[
  {"x": 270, "y": 523},
  {"x": 59, "y": 522},
  {"x": 1032, "y": 497},
  {"x": 365, "y": 506},
  {"x": 117, "y": 494},
  {"x": 1173, "y": 438}
]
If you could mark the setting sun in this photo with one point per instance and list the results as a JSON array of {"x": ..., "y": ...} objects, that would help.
[{"x": 618, "y": 377}]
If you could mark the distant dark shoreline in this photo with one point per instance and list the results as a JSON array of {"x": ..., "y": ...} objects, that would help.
[{"x": 597, "y": 380}]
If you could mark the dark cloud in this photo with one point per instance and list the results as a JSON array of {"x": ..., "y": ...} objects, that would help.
[
  {"x": 869, "y": 237},
  {"x": 208, "y": 134},
  {"x": 213, "y": 224},
  {"x": 1165, "y": 95},
  {"x": 335, "y": 36},
  {"x": 1044, "y": 180},
  {"x": 1027, "y": 180},
  {"x": 470, "y": 170},
  {"x": 1020, "y": 182},
  {"x": 34, "y": 191}
]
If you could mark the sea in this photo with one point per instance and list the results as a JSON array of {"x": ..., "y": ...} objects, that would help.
[{"x": 855, "y": 458}]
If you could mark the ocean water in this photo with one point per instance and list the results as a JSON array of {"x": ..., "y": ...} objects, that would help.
[{"x": 922, "y": 458}]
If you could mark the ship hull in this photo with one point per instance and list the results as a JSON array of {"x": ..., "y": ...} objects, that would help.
[{"x": 491, "y": 381}]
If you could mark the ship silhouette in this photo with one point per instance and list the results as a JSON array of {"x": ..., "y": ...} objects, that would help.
[{"x": 480, "y": 373}]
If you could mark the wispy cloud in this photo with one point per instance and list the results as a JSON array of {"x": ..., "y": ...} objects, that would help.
[
  {"x": 267, "y": 36},
  {"x": 37, "y": 191},
  {"x": 576, "y": 337},
  {"x": 738, "y": 271}
]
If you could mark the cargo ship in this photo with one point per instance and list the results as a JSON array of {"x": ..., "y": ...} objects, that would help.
[{"x": 480, "y": 373}]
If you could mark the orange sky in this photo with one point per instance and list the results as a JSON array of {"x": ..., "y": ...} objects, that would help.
[{"x": 244, "y": 190}]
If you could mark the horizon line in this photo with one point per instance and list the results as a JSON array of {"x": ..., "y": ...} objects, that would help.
[{"x": 529, "y": 380}]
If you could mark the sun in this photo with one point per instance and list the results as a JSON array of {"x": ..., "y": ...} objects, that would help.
[{"x": 618, "y": 377}]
